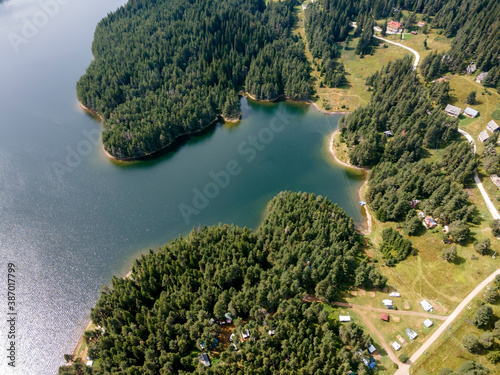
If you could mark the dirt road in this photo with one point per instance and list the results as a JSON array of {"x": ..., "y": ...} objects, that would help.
[
  {"x": 417, "y": 56},
  {"x": 389, "y": 311}
]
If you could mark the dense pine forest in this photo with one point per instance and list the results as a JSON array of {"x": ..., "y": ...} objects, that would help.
[
  {"x": 164, "y": 68},
  {"x": 414, "y": 118},
  {"x": 160, "y": 319}
]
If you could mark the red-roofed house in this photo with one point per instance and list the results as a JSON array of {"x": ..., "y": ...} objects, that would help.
[
  {"x": 393, "y": 27},
  {"x": 384, "y": 317}
]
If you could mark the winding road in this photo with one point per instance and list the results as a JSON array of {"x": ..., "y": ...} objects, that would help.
[
  {"x": 404, "y": 368},
  {"x": 491, "y": 207},
  {"x": 417, "y": 56}
]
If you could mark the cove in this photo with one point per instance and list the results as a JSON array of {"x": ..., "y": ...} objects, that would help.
[{"x": 69, "y": 233}]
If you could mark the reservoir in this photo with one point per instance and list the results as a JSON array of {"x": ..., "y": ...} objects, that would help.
[{"x": 70, "y": 218}]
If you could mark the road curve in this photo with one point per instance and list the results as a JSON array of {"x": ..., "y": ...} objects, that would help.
[
  {"x": 448, "y": 321},
  {"x": 491, "y": 207},
  {"x": 417, "y": 56}
]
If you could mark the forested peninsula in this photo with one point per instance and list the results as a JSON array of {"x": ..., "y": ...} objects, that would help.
[
  {"x": 166, "y": 68},
  {"x": 391, "y": 135},
  {"x": 169, "y": 311}
]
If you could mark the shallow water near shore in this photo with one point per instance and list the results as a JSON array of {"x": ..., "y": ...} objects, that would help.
[{"x": 70, "y": 218}]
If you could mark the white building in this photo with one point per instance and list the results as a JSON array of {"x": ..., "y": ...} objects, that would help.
[
  {"x": 344, "y": 318},
  {"x": 372, "y": 349},
  {"x": 492, "y": 126},
  {"x": 426, "y": 305},
  {"x": 387, "y": 302},
  {"x": 428, "y": 323},
  {"x": 396, "y": 345},
  {"x": 394, "y": 294}
]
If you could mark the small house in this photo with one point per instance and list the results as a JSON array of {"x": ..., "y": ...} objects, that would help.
[
  {"x": 396, "y": 345},
  {"x": 394, "y": 294},
  {"x": 90, "y": 363},
  {"x": 344, "y": 318},
  {"x": 411, "y": 333},
  {"x": 271, "y": 332},
  {"x": 388, "y": 303},
  {"x": 452, "y": 110},
  {"x": 229, "y": 318},
  {"x": 471, "y": 68},
  {"x": 428, "y": 323},
  {"x": 413, "y": 32},
  {"x": 469, "y": 112},
  {"x": 414, "y": 203},
  {"x": 483, "y": 136},
  {"x": 393, "y": 27},
  {"x": 426, "y": 305},
  {"x": 372, "y": 349},
  {"x": 365, "y": 361},
  {"x": 421, "y": 214},
  {"x": 429, "y": 223},
  {"x": 203, "y": 358},
  {"x": 420, "y": 24},
  {"x": 384, "y": 317},
  {"x": 372, "y": 365},
  {"x": 387, "y": 133},
  {"x": 245, "y": 334},
  {"x": 446, "y": 229},
  {"x": 492, "y": 126},
  {"x": 480, "y": 77}
]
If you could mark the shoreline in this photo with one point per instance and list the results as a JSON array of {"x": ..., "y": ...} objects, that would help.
[
  {"x": 81, "y": 339},
  {"x": 286, "y": 98},
  {"x": 369, "y": 221},
  {"x": 219, "y": 118},
  {"x": 94, "y": 113},
  {"x": 334, "y": 155}
]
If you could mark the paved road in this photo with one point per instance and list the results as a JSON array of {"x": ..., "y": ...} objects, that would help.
[
  {"x": 389, "y": 311},
  {"x": 417, "y": 56},
  {"x": 447, "y": 323},
  {"x": 491, "y": 207}
]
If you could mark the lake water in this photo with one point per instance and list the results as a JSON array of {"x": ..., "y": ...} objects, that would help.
[{"x": 70, "y": 218}]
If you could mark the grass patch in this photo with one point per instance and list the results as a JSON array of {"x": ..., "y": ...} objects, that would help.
[{"x": 356, "y": 93}]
